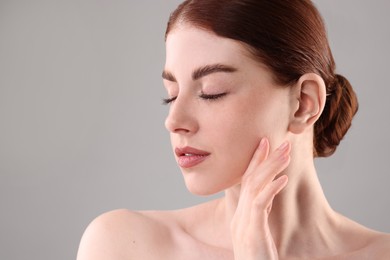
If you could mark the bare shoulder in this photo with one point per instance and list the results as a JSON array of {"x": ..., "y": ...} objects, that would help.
[
  {"x": 377, "y": 246},
  {"x": 380, "y": 247},
  {"x": 147, "y": 235},
  {"x": 124, "y": 234}
]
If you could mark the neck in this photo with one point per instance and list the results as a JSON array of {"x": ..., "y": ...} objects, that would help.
[{"x": 301, "y": 218}]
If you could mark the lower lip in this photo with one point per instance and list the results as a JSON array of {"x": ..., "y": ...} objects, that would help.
[{"x": 191, "y": 161}]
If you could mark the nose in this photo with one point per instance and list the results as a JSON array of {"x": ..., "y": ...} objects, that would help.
[{"x": 181, "y": 118}]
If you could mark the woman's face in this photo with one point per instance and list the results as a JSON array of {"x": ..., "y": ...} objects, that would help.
[{"x": 222, "y": 103}]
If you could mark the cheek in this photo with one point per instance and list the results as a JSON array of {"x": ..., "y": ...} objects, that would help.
[
  {"x": 234, "y": 138},
  {"x": 236, "y": 133}
]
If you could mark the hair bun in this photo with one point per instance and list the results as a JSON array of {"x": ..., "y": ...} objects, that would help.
[{"x": 341, "y": 106}]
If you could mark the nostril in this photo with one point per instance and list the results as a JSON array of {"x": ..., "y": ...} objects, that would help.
[
  {"x": 181, "y": 130},
  {"x": 174, "y": 126},
  {"x": 177, "y": 127}
]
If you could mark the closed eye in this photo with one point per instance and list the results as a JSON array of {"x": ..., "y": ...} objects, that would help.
[
  {"x": 167, "y": 101},
  {"x": 212, "y": 96}
]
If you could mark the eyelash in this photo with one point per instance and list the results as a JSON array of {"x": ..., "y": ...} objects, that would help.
[{"x": 167, "y": 101}]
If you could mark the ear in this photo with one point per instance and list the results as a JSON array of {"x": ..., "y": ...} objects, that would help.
[{"x": 308, "y": 102}]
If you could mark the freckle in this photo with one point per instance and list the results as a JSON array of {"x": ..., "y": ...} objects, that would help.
[{"x": 133, "y": 241}]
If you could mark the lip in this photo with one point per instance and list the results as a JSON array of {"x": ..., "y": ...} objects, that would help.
[{"x": 189, "y": 157}]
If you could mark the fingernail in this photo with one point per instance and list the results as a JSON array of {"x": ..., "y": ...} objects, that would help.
[
  {"x": 282, "y": 178},
  {"x": 262, "y": 143},
  {"x": 283, "y": 146},
  {"x": 284, "y": 157}
]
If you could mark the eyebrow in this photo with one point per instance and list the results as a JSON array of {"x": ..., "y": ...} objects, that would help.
[{"x": 202, "y": 71}]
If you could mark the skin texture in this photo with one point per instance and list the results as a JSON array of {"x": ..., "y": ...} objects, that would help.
[{"x": 259, "y": 139}]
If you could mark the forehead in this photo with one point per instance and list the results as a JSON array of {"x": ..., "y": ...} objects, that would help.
[{"x": 188, "y": 46}]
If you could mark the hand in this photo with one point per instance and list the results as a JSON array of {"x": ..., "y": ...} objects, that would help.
[{"x": 250, "y": 231}]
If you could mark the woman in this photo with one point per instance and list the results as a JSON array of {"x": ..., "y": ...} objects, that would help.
[{"x": 253, "y": 97}]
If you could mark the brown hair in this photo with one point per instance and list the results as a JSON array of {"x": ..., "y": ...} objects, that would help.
[{"x": 290, "y": 38}]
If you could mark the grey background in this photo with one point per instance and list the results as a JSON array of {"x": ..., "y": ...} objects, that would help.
[{"x": 81, "y": 120}]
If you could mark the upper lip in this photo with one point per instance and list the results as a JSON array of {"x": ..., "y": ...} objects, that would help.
[{"x": 181, "y": 151}]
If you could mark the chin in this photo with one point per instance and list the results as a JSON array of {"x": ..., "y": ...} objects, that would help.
[
  {"x": 202, "y": 191},
  {"x": 205, "y": 187}
]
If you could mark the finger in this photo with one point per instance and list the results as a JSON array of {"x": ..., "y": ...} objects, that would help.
[
  {"x": 262, "y": 204},
  {"x": 275, "y": 164},
  {"x": 260, "y": 154},
  {"x": 263, "y": 201},
  {"x": 254, "y": 183}
]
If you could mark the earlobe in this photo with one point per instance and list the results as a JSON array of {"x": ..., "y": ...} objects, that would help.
[{"x": 309, "y": 102}]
